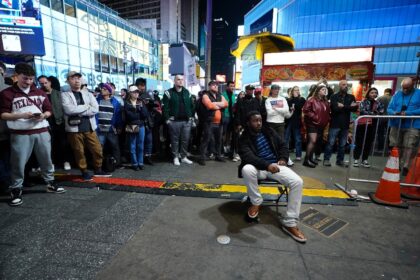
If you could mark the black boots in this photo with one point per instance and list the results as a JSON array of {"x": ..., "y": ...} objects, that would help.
[{"x": 307, "y": 162}]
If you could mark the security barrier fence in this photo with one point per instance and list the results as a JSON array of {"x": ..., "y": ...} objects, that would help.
[{"x": 372, "y": 138}]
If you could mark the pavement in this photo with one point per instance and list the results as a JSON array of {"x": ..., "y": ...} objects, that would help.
[{"x": 95, "y": 233}]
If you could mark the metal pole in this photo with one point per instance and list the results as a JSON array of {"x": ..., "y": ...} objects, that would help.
[{"x": 209, "y": 23}]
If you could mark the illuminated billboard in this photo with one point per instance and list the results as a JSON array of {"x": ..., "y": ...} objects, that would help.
[{"x": 21, "y": 28}]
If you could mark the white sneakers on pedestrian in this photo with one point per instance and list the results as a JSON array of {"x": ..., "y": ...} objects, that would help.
[
  {"x": 186, "y": 160},
  {"x": 365, "y": 164},
  {"x": 176, "y": 161},
  {"x": 290, "y": 163},
  {"x": 67, "y": 166},
  {"x": 236, "y": 158},
  {"x": 356, "y": 163}
]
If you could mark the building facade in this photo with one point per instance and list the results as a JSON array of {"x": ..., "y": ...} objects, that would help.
[
  {"x": 176, "y": 20},
  {"x": 392, "y": 27},
  {"x": 89, "y": 37}
]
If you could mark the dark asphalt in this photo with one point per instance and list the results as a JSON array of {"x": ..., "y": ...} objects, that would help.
[{"x": 89, "y": 233}]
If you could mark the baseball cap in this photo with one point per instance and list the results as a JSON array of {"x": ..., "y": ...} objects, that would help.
[
  {"x": 133, "y": 89},
  {"x": 73, "y": 73},
  {"x": 275, "y": 87},
  {"x": 250, "y": 87},
  {"x": 213, "y": 82}
]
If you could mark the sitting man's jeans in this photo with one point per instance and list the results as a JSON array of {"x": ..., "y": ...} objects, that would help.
[
  {"x": 285, "y": 176},
  {"x": 342, "y": 140}
]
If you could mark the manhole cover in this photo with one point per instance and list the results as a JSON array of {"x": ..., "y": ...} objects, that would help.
[{"x": 324, "y": 224}]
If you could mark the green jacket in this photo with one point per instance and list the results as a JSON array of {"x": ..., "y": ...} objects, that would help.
[
  {"x": 233, "y": 100},
  {"x": 171, "y": 103},
  {"x": 57, "y": 107}
]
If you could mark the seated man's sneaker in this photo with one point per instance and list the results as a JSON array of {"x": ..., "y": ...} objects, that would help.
[
  {"x": 295, "y": 233},
  {"x": 16, "y": 197},
  {"x": 176, "y": 161},
  {"x": 53, "y": 188},
  {"x": 101, "y": 173},
  {"x": 186, "y": 160}
]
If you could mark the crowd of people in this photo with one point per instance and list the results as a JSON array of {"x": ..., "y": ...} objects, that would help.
[{"x": 106, "y": 130}]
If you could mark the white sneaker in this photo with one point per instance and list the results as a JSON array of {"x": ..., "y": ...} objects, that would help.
[
  {"x": 236, "y": 158},
  {"x": 366, "y": 164},
  {"x": 290, "y": 162},
  {"x": 176, "y": 161},
  {"x": 186, "y": 160},
  {"x": 67, "y": 166},
  {"x": 356, "y": 163}
]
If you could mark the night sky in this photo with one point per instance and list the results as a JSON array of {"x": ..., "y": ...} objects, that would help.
[{"x": 233, "y": 12}]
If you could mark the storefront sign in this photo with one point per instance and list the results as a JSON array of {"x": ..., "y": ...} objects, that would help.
[
  {"x": 20, "y": 28},
  {"x": 332, "y": 72}
]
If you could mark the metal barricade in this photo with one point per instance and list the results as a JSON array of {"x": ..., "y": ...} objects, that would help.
[{"x": 381, "y": 140}]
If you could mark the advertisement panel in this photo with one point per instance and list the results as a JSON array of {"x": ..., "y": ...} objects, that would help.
[
  {"x": 21, "y": 28},
  {"x": 332, "y": 72}
]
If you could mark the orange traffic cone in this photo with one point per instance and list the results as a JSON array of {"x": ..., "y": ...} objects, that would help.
[
  {"x": 388, "y": 191},
  {"x": 413, "y": 177}
]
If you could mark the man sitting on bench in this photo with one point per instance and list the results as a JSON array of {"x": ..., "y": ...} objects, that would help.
[{"x": 264, "y": 156}]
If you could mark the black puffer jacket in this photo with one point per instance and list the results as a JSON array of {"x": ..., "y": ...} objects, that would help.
[{"x": 248, "y": 149}]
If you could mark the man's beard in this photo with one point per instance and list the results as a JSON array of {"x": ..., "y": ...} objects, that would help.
[{"x": 248, "y": 96}]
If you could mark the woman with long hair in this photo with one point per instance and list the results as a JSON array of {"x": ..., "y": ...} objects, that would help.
[
  {"x": 366, "y": 127},
  {"x": 135, "y": 117},
  {"x": 316, "y": 116},
  {"x": 293, "y": 124}
]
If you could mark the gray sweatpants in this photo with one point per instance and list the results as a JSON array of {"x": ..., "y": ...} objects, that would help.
[
  {"x": 179, "y": 132},
  {"x": 21, "y": 147}
]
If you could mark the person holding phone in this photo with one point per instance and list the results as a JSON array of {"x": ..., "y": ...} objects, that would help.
[{"x": 26, "y": 108}]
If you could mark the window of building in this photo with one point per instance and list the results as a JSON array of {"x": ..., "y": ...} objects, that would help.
[
  {"x": 120, "y": 65},
  {"x": 97, "y": 61},
  {"x": 45, "y": 3},
  {"x": 70, "y": 10},
  {"x": 57, "y": 5},
  {"x": 105, "y": 63},
  {"x": 114, "y": 64}
]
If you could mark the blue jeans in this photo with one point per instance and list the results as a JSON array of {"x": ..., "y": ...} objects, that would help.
[
  {"x": 137, "y": 147},
  {"x": 148, "y": 142},
  {"x": 342, "y": 140},
  {"x": 295, "y": 129}
]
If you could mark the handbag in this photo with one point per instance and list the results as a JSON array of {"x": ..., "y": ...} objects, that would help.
[
  {"x": 74, "y": 120},
  {"x": 132, "y": 128}
]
